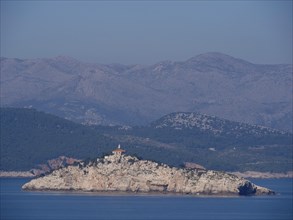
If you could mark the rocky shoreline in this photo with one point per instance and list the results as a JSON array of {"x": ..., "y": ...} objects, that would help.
[
  {"x": 123, "y": 173},
  {"x": 263, "y": 175}
]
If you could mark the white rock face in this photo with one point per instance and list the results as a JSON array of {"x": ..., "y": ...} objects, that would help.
[{"x": 127, "y": 173}]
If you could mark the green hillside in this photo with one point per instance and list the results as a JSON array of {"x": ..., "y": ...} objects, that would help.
[
  {"x": 29, "y": 137},
  {"x": 213, "y": 142}
]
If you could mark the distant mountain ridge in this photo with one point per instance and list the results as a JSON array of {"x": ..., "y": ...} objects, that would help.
[{"x": 211, "y": 83}]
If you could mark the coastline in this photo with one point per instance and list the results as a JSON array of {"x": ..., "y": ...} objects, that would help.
[
  {"x": 263, "y": 175},
  {"x": 138, "y": 193},
  {"x": 16, "y": 174},
  {"x": 246, "y": 174}
]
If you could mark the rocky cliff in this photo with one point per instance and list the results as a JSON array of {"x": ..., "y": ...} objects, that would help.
[{"x": 128, "y": 173}]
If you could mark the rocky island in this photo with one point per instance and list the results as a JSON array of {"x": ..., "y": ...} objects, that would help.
[{"x": 119, "y": 172}]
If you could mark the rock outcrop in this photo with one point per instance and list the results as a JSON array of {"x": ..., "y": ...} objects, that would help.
[
  {"x": 128, "y": 173},
  {"x": 53, "y": 164}
]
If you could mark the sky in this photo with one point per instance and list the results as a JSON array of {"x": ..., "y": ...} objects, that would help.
[{"x": 146, "y": 32}]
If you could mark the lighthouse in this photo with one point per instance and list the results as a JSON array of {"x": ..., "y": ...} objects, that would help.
[{"x": 118, "y": 151}]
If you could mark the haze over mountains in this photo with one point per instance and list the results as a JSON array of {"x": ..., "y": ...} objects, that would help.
[{"x": 211, "y": 83}]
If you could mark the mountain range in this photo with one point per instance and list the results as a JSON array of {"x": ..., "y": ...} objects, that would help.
[
  {"x": 30, "y": 138},
  {"x": 115, "y": 94}
]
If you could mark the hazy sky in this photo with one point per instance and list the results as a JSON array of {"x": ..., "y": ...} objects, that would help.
[{"x": 145, "y": 32}]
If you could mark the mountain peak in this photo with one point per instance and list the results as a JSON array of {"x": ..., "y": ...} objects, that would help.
[
  {"x": 213, "y": 55},
  {"x": 216, "y": 57}
]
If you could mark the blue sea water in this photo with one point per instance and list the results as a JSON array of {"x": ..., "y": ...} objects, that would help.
[{"x": 22, "y": 205}]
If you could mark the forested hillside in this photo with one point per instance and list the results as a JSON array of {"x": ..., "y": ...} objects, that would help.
[{"x": 29, "y": 137}]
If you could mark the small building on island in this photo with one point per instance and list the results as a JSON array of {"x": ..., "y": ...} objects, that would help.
[{"x": 118, "y": 151}]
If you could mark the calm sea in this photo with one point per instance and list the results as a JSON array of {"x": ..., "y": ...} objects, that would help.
[{"x": 16, "y": 204}]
